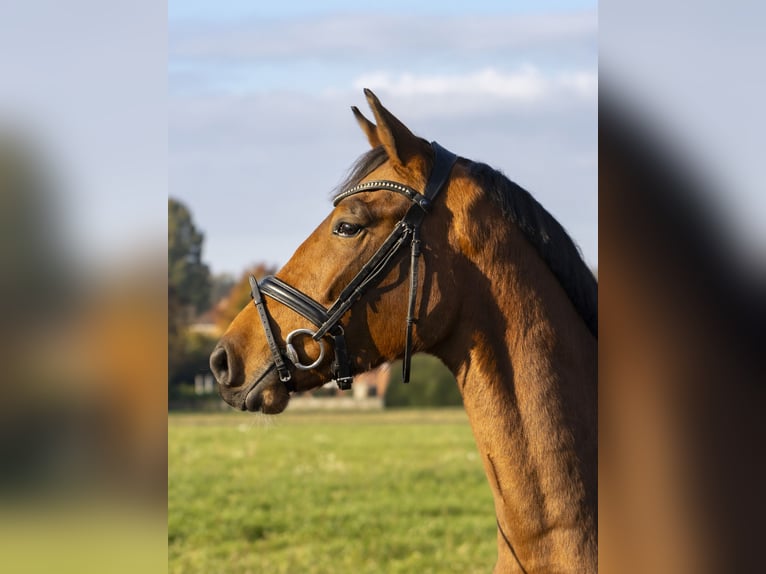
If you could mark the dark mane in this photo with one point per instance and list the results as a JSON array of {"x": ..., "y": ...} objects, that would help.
[
  {"x": 361, "y": 168},
  {"x": 547, "y": 236}
]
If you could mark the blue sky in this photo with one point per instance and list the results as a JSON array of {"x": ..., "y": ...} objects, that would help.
[
  {"x": 237, "y": 9},
  {"x": 260, "y": 130}
]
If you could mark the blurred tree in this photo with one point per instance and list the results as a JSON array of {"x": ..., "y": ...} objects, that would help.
[
  {"x": 221, "y": 285},
  {"x": 239, "y": 295},
  {"x": 432, "y": 385},
  {"x": 33, "y": 255},
  {"x": 187, "y": 274},
  {"x": 176, "y": 331},
  {"x": 189, "y": 287},
  {"x": 195, "y": 355}
]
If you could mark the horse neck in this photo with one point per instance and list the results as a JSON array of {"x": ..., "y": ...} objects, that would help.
[{"x": 526, "y": 366}]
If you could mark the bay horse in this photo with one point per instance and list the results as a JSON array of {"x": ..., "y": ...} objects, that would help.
[{"x": 493, "y": 286}]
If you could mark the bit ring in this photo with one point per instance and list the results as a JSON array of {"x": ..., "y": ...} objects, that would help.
[{"x": 292, "y": 354}]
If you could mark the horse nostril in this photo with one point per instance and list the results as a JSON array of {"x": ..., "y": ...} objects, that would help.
[{"x": 219, "y": 364}]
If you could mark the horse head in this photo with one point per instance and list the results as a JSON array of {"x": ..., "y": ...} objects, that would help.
[{"x": 367, "y": 213}]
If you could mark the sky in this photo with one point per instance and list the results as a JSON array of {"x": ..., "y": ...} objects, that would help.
[
  {"x": 259, "y": 123},
  {"x": 241, "y": 109}
]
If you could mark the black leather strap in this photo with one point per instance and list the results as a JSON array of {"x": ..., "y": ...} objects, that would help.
[
  {"x": 341, "y": 365},
  {"x": 444, "y": 160},
  {"x": 411, "y": 319},
  {"x": 294, "y": 299},
  {"x": 440, "y": 171},
  {"x": 284, "y": 372}
]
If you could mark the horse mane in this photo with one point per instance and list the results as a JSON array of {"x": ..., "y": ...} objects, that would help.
[
  {"x": 544, "y": 233},
  {"x": 361, "y": 168},
  {"x": 547, "y": 236}
]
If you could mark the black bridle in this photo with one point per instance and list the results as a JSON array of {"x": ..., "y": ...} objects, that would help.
[{"x": 405, "y": 232}]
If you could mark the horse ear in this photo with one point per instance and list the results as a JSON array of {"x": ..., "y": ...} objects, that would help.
[
  {"x": 369, "y": 128},
  {"x": 400, "y": 143}
]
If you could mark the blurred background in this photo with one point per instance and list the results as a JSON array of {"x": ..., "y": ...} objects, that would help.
[
  {"x": 681, "y": 277},
  {"x": 83, "y": 190}
]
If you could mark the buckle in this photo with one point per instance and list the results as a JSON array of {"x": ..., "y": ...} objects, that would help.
[{"x": 344, "y": 383}]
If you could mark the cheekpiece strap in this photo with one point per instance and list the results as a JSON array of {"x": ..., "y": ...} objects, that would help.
[
  {"x": 276, "y": 355},
  {"x": 440, "y": 172}
]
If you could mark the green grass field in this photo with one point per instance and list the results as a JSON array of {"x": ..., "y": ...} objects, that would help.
[{"x": 387, "y": 491}]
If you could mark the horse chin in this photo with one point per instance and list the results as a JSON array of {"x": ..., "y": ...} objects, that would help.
[{"x": 269, "y": 396}]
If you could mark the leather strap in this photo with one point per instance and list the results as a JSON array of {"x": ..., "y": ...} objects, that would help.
[
  {"x": 440, "y": 171},
  {"x": 411, "y": 319},
  {"x": 341, "y": 365},
  {"x": 294, "y": 299},
  {"x": 378, "y": 184},
  {"x": 284, "y": 373}
]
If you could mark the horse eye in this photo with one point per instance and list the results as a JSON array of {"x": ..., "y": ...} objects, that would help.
[{"x": 344, "y": 229}]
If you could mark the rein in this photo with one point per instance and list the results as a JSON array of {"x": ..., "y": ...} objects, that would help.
[{"x": 405, "y": 233}]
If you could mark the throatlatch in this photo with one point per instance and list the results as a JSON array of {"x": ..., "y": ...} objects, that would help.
[{"x": 327, "y": 321}]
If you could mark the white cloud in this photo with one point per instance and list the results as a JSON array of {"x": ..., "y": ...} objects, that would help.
[
  {"x": 582, "y": 83},
  {"x": 526, "y": 85}
]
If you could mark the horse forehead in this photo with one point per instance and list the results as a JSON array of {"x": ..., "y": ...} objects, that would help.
[
  {"x": 354, "y": 205},
  {"x": 412, "y": 175},
  {"x": 375, "y": 204}
]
